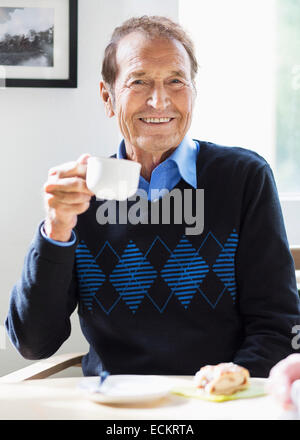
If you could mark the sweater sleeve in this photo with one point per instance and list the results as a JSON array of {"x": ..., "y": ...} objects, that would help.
[
  {"x": 268, "y": 298},
  {"x": 41, "y": 303}
]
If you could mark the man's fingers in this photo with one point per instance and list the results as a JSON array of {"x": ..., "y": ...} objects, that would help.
[
  {"x": 280, "y": 390},
  {"x": 67, "y": 184},
  {"x": 71, "y": 169},
  {"x": 83, "y": 158},
  {"x": 62, "y": 209},
  {"x": 288, "y": 368},
  {"x": 68, "y": 166},
  {"x": 65, "y": 197},
  {"x": 70, "y": 198},
  {"x": 281, "y": 377}
]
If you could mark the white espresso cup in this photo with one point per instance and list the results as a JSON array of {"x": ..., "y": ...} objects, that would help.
[{"x": 112, "y": 179}]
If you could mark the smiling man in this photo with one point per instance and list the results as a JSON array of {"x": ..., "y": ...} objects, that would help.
[
  {"x": 152, "y": 299},
  {"x": 152, "y": 97}
]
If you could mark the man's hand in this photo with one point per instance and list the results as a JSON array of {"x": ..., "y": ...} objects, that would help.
[
  {"x": 66, "y": 196},
  {"x": 281, "y": 378}
]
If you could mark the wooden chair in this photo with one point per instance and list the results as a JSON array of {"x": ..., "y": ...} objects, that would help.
[
  {"x": 47, "y": 367},
  {"x": 295, "y": 250},
  {"x": 44, "y": 368}
]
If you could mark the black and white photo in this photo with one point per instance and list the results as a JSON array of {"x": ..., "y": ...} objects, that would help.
[
  {"x": 38, "y": 43},
  {"x": 26, "y": 36}
]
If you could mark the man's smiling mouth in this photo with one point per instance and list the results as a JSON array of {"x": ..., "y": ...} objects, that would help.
[{"x": 156, "y": 120}]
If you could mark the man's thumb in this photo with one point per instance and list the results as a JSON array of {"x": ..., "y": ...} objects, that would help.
[{"x": 83, "y": 158}]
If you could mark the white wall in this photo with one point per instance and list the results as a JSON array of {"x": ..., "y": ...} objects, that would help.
[
  {"x": 291, "y": 212},
  {"x": 235, "y": 102},
  {"x": 41, "y": 128}
]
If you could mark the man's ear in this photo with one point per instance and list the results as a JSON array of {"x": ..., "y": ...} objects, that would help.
[{"x": 107, "y": 99}]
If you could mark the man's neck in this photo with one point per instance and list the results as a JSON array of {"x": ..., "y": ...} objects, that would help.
[{"x": 148, "y": 159}]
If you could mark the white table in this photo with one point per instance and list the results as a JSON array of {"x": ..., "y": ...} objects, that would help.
[{"x": 61, "y": 398}]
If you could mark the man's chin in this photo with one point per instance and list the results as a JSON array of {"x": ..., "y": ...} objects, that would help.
[{"x": 157, "y": 143}]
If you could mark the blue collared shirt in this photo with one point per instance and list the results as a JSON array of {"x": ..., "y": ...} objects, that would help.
[{"x": 180, "y": 164}]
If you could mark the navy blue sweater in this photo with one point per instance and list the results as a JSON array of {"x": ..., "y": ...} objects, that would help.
[{"x": 154, "y": 300}]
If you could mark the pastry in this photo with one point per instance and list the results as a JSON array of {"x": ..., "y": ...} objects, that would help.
[{"x": 225, "y": 378}]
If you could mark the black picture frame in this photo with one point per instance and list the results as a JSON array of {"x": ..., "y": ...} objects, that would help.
[{"x": 71, "y": 81}]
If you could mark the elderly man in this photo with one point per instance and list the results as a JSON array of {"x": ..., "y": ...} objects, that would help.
[{"x": 151, "y": 298}]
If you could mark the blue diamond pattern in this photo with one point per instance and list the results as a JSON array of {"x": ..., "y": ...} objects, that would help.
[
  {"x": 224, "y": 266},
  {"x": 133, "y": 276},
  {"x": 90, "y": 276},
  {"x": 184, "y": 271}
]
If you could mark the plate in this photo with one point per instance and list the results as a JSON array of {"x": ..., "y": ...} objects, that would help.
[
  {"x": 126, "y": 388},
  {"x": 256, "y": 389}
]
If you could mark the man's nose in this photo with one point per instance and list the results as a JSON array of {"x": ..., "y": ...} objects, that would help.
[{"x": 159, "y": 98}]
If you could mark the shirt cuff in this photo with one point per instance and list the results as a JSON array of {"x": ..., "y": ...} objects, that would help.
[{"x": 71, "y": 242}]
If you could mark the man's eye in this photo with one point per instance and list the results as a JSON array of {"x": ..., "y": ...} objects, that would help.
[
  {"x": 176, "y": 83},
  {"x": 137, "y": 82}
]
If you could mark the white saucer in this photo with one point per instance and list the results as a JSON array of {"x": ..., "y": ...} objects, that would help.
[{"x": 126, "y": 388}]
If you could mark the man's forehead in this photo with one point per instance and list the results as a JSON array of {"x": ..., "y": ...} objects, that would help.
[{"x": 137, "y": 47}]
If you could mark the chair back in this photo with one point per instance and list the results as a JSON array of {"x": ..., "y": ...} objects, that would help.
[{"x": 295, "y": 250}]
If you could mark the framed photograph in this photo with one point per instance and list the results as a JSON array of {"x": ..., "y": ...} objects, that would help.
[{"x": 38, "y": 43}]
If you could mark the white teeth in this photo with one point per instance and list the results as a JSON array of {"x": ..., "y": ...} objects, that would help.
[{"x": 156, "y": 120}]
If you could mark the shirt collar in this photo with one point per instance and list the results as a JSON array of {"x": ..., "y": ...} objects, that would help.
[
  {"x": 184, "y": 156},
  {"x": 121, "y": 153}
]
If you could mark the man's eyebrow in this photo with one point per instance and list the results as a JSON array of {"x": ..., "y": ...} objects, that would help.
[
  {"x": 140, "y": 74},
  {"x": 178, "y": 73},
  {"x": 135, "y": 75}
]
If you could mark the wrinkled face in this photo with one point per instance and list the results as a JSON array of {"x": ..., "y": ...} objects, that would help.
[{"x": 153, "y": 94}]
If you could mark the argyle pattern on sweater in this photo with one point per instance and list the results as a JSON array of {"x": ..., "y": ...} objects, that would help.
[{"x": 133, "y": 276}]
